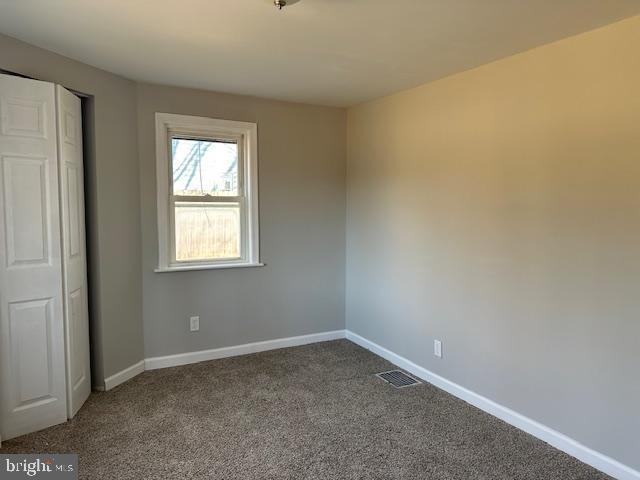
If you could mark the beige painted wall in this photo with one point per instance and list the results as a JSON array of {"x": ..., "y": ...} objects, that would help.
[
  {"x": 498, "y": 210},
  {"x": 113, "y": 202},
  {"x": 301, "y": 171}
]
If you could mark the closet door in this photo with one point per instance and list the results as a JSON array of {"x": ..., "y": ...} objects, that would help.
[
  {"x": 73, "y": 249},
  {"x": 32, "y": 363}
]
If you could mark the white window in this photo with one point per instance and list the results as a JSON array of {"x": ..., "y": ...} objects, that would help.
[{"x": 207, "y": 193}]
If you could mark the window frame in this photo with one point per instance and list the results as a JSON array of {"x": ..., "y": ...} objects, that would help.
[{"x": 169, "y": 126}]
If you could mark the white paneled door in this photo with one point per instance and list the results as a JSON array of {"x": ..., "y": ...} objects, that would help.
[
  {"x": 44, "y": 319},
  {"x": 32, "y": 347},
  {"x": 74, "y": 263}
]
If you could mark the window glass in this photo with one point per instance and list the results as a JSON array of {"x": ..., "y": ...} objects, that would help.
[
  {"x": 204, "y": 167},
  {"x": 207, "y": 231}
]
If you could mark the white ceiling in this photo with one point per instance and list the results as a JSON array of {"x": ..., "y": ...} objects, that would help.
[{"x": 333, "y": 52}]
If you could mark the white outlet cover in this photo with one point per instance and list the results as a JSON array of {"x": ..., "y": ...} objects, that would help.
[
  {"x": 437, "y": 348},
  {"x": 194, "y": 324}
]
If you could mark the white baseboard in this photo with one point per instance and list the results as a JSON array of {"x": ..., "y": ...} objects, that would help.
[
  {"x": 560, "y": 441},
  {"x": 123, "y": 375},
  {"x": 213, "y": 354},
  {"x": 224, "y": 352}
]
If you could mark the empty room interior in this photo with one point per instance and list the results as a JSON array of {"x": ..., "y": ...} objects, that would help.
[{"x": 320, "y": 239}]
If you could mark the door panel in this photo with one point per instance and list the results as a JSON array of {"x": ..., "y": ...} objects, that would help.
[
  {"x": 25, "y": 210},
  {"x": 74, "y": 251},
  {"x": 74, "y": 206},
  {"x": 32, "y": 364},
  {"x": 78, "y": 338},
  {"x": 24, "y": 117},
  {"x": 32, "y": 372}
]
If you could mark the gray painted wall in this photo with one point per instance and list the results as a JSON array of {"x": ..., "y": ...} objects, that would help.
[
  {"x": 301, "y": 169},
  {"x": 498, "y": 210},
  {"x": 302, "y": 211},
  {"x": 113, "y": 201}
]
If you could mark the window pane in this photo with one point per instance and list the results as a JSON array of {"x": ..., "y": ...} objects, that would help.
[
  {"x": 207, "y": 231},
  {"x": 204, "y": 167}
]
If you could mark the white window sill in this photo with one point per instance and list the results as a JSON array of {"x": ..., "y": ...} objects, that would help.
[{"x": 217, "y": 266}]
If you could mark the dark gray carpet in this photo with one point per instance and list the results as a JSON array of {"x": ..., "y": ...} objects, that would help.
[{"x": 312, "y": 412}]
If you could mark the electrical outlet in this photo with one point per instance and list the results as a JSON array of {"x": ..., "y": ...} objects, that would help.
[
  {"x": 437, "y": 348},
  {"x": 194, "y": 323}
]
